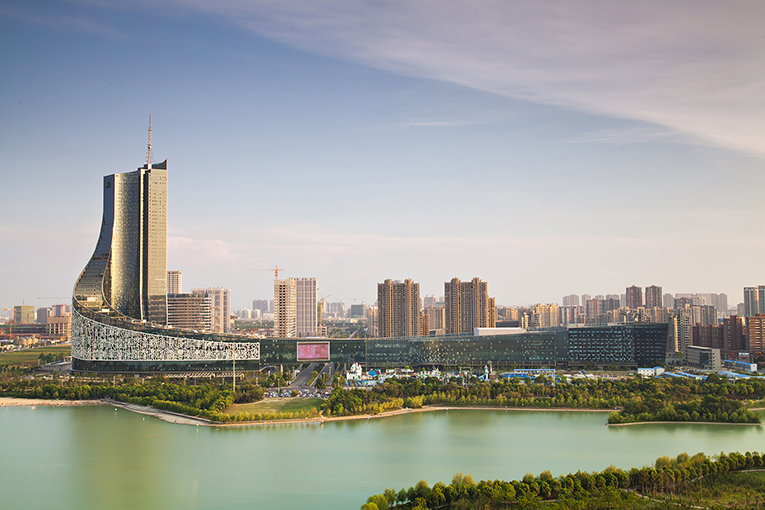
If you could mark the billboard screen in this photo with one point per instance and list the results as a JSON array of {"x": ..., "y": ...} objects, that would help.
[{"x": 313, "y": 351}]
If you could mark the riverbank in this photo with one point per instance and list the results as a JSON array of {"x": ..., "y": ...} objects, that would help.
[
  {"x": 679, "y": 422},
  {"x": 34, "y": 402},
  {"x": 398, "y": 412},
  {"x": 168, "y": 416}
]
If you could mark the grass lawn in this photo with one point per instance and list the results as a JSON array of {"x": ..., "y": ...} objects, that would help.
[
  {"x": 277, "y": 405},
  {"x": 739, "y": 489},
  {"x": 29, "y": 357}
]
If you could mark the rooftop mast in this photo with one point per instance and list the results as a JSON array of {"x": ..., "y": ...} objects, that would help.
[{"x": 149, "y": 153}]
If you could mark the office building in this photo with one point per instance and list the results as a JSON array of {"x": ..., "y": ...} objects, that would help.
[
  {"x": 358, "y": 311},
  {"x": 220, "y": 301},
  {"x": 192, "y": 312},
  {"x": 61, "y": 310},
  {"x": 43, "y": 313},
  {"x": 468, "y": 306},
  {"x": 398, "y": 308},
  {"x": 634, "y": 296},
  {"x": 305, "y": 306},
  {"x": 285, "y": 308},
  {"x": 703, "y": 358},
  {"x": 119, "y": 303},
  {"x": 653, "y": 297},
  {"x": 129, "y": 265},
  {"x": 174, "y": 282}
]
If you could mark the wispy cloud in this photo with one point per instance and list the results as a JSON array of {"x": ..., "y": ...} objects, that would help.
[
  {"x": 692, "y": 66},
  {"x": 59, "y": 21},
  {"x": 633, "y": 135}
]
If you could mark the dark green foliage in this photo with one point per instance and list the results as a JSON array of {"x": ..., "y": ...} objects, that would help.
[{"x": 612, "y": 488}]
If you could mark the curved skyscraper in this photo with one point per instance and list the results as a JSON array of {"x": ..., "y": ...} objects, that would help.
[
  {"x": 129, "y": 267},
  {"x": 119, "y": 318}
]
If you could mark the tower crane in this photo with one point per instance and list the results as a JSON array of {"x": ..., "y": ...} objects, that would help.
[{"x": 275, "y": 269}]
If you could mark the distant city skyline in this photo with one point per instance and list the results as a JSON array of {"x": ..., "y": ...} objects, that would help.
[{"x": 547, "y": 149}]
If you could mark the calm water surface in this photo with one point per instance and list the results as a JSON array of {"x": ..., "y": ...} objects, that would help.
[{"x": 98, "y": 457}]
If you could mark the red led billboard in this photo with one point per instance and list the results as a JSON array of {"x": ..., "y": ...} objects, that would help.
[{"x": 313, "y": 351}]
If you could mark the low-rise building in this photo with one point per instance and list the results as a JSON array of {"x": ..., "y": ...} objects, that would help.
[{"x": 703, "y": 358}]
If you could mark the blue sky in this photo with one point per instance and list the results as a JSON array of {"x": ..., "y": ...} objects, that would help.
[{"x": 570, "y": 147}]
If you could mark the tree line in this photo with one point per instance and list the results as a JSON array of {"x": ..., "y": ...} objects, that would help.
[
  {"x": 673, "y": 399},
  {"x": 608, "y": 489}
]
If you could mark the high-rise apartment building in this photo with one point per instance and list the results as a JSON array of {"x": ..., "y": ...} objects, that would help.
[
  {"x": 190, "y": 311},
  {"x": 683, "y": 328},
  {"x": 174, "y": 282},
  {"x": 260, "y": 304},
  {"x": 129, "y": 265},
  {"x": 634, "y": 296},
  {"x": 398, "y": 306},
  {"x": 372, "y": 321},
  {"x": 468, "y": 306},
  {"x": 305, "y": 306},
  {"x": 653, "y": 297},
  {"x": 285, "y": 308},
  {"x": 734, "y": 339},
  {"x": 571, "y": 300},
  {"x": 220, "y": 300},
  {"x": 755, "y": 333},
  {"x": 436, "y": 317},
  {"x": 548, "y": 315},
  {"x": 429, "y": 300},
  {"x": 751, "y": 301}
]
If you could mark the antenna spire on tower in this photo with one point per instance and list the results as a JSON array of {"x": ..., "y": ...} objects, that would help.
[{"x": 149, "y": 153}]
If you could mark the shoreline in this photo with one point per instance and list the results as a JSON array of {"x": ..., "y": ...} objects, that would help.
[
  {"x": 34, "y": 402},
  {"x": 184, "y": 419},
  {"x": 397, "y": 412},
  {"x": 678, "y": 422}
]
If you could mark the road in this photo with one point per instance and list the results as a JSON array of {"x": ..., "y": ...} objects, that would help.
[{"x": 303, "y": 378}]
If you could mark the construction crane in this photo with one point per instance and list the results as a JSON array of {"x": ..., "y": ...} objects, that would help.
[
  {"x": 275, "y": 269},
  {"x": 321, "y": 309}
]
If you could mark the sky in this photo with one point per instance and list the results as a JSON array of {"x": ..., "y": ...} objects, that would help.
[{"x": 548, "y": 148}]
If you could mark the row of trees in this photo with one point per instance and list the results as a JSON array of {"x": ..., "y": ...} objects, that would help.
[
  {"x": 709, "y": 408},
  {"x": 607, "y": 489},
  {"x": 641, "y": 400}
]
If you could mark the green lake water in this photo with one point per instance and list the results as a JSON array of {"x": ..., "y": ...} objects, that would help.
[{"x": 100, "y": 458}]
